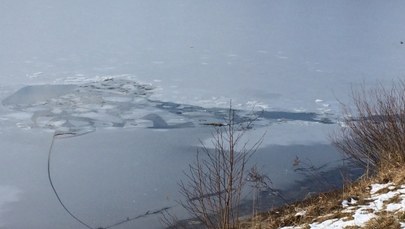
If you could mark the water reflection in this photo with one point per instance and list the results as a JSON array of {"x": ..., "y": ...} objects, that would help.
[{"x": 321, "y": 169}]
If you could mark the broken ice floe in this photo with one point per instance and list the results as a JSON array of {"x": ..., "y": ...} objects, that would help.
[
  {"x": 71, "y": 106},
  {"x": 120, "y": 103}
]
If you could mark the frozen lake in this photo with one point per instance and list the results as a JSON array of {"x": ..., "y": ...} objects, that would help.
[{"x": 134, "y": 83}]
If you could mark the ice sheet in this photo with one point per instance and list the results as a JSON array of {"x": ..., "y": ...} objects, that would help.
[{"x": 122, "y": 103}]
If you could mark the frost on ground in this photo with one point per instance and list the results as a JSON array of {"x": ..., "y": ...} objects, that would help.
[{"x": 384, "y": 199}]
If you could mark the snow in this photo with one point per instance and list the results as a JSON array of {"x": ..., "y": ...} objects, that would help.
[
  {"x": 301, "y": 213},
  {"x": 377, "y": 187},
  {"x": 361, "y": 214},
  {"x": 347, "y": 203}
]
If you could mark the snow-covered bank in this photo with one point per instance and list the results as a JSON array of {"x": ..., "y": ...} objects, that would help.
[{"x": 382, "y": 206}]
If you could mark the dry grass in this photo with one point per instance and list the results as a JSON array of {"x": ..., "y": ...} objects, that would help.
[
  {"x": 394, "y": 200},
  {"x": 383, "y": 220},
  {"x": 326, "y": 206},
  {"x": 313, "y": 207},
  {"x": 375, "y": 128},
  {"x": 351, "y": 227},
  {"x": 401, "y": 216},
  {"x": 374, "y": 137}
]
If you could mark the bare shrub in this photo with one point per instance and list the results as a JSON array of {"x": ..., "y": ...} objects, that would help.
[
  {"x": 312, "y": 172},
  {"x": 374, "y": 129},
  {"x": 215, "y": 181}
]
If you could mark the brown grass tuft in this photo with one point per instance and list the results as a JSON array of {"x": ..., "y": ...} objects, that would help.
[
  {"x": 383, "y": 220},
  {"x": 351, "y": 227},
  {"x": 400, "y": 215},
  {"x": 326, "y": 206}
]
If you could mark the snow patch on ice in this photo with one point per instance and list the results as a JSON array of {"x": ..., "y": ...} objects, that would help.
[
  {"x": 282, "y": 57},
  {"x": 34, "y": 75}
]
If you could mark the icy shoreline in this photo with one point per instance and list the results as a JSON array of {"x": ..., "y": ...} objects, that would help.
[{"x": 153, "y": 138}]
